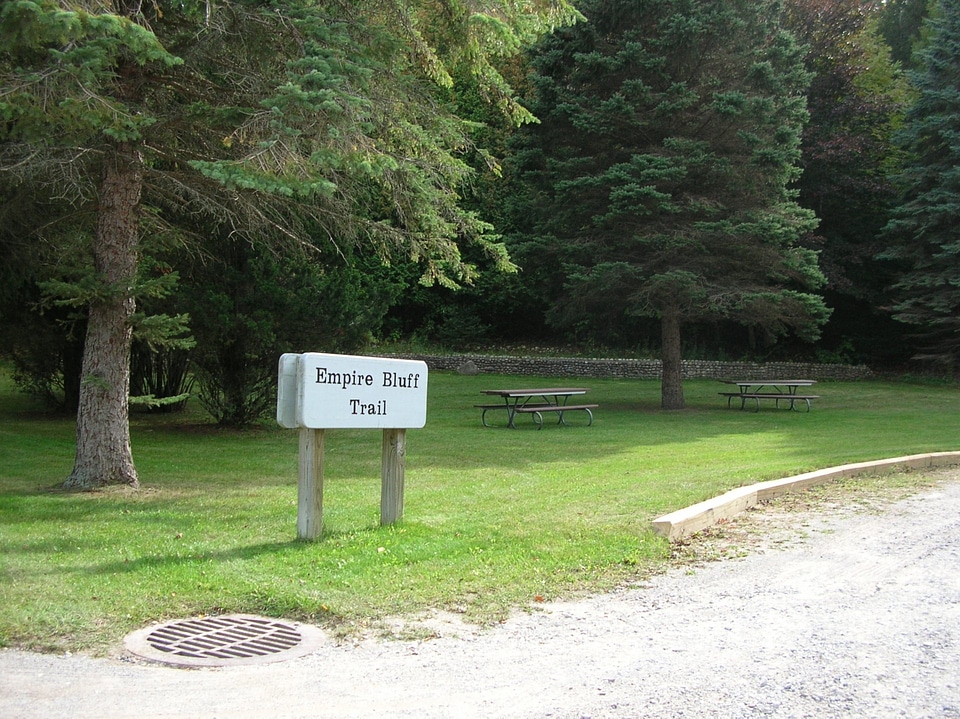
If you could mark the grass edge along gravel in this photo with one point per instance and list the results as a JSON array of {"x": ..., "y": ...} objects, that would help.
[{"x": 495, "y": 520}]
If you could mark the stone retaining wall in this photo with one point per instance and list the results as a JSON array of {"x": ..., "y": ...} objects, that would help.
[{"x": 636, "y": 368}]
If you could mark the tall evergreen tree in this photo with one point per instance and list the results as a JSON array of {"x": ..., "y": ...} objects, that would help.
[
  {"x": 924, "y": 234},
  {"x": 267, "y": 117},
  {"x": 660, "y": 176}
]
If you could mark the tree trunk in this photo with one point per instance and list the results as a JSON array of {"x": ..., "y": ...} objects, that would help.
[
  {"x": 671, "y": 387},
  {"x": 103, "y": 430}
]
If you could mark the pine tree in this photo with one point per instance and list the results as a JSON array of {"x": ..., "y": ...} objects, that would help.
[
  {"x": 267, "y": 119},
  {"x": 660, "y": 175},
  {"x": 924, "y": 234}
]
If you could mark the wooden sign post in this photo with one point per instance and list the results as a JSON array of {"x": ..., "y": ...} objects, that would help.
[
  {"x": 310, "y": 484},
  {"x": 316, "y": 392},
  {"x": 392, "y": 472}
]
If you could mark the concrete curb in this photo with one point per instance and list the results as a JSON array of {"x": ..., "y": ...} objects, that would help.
[{"x": 694, "y": 518}]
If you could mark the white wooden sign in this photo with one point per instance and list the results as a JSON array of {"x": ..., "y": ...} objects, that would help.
[
  {"x": 328, "y": 391},
  {"x": 317, "y": 391}
]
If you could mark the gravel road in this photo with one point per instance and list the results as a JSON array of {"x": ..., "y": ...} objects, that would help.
[{"x": 843, "y": 614}]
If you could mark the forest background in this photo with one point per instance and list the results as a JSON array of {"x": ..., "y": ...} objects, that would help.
[{"x": 445, "y": 212}]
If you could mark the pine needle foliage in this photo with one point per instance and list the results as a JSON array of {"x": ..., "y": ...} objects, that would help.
[{"x": 923, "y": 234}]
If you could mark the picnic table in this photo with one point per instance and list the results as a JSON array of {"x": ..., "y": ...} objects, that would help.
[
  {"x": 778, "y": 390},
  {"x": 536, "y": 402}
]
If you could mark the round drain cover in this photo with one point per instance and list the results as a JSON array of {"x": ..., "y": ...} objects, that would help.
[{"x": 224, "y": 641}]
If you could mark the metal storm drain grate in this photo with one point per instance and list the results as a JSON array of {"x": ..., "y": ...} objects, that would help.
[{"x": 224, "y": 641}]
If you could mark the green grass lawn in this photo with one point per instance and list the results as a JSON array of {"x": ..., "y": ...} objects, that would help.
[{"x": 494, "y": 519}]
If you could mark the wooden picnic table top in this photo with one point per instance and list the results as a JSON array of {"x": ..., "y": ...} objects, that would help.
[
  {"x": 770, "y": 382},
  {"x": 536, "y": 392}
]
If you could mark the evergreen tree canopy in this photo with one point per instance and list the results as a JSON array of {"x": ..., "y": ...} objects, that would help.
[
  {"x": 924, "y": 234},
  {"x": 660, "y": 175},
  {"x": 329, "y": 106}
]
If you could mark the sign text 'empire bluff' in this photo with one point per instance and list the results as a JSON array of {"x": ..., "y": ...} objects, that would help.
[{"x": 343, "y": 380}]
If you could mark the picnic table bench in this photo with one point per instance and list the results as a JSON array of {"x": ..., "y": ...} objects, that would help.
[
  {"x": 536, "y": 402},
  {"x": 783, "y": 390}
]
